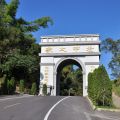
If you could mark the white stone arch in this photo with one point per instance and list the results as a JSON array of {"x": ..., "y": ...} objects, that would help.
[
  {"x": 83, "y": 72},
  {"x": 71, "y": 58},
  {"x": 84, "y": 49}
]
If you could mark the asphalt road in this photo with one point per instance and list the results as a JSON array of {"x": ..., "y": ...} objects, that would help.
[{"x": 51, "y": 108}]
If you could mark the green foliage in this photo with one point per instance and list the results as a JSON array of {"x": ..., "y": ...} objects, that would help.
[
  {"x": 7, "y": 86},
  {"x": 44, "y": 90},
  {"x": 18, "y": 48},
  {"x": 116, "y": 90},
  {"x": 116, "y": 87},
  {"x": 71, "y": 81},
  {"x": 11, "y": 86},
  {"x": 22, "y": 86},
  {"x": 4, "y": 86},
  {"x": 113, "y": 46},
  {"x": 100, "y": 87},
  {"x": 34, "y": 88}
]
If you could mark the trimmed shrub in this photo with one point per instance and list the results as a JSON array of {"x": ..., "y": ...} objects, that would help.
[
  {"x": 22, "y": 86},
  {"x": 100, "y": 87},
  {"x": 4, "y": 87},
  {"x": 44, "y": 90},
  {"x": 11, "y": 86},
  {"x": 33, "y": 88}
]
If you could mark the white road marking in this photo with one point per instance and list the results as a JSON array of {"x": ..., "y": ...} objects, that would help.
[
  {"x": 4, "y": 99},
  {"x": 8, "y": 106},
  {"x": 48, "y": 113}
]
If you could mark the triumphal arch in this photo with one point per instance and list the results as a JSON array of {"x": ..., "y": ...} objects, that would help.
[{"x": 83, "y": 49}]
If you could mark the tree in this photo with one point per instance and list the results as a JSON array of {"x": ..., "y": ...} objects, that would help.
[
  {"x": 113, "y": 46},
  {"x": 22, "y": 86},
  {"x": 44, "y": 90},
  {"x": 18, "y": 48},
  {"x": 100, "y": 87},
  {"x": 71, "y": 81},
  {"x": 33, "y": 88}
]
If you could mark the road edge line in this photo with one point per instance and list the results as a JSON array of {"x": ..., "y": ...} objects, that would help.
[{"x": 4, "y": 99}]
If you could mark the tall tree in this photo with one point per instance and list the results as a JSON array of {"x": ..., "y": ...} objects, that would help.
[
  {"x": 113, "y": 46},
  {"x": 18, "y": 48}
]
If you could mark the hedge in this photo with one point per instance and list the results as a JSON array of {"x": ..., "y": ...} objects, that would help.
[
  {"x": 33, "y": 88},
  {"x": 44, "y": 90},
  {"x": 100, "y": 87}
]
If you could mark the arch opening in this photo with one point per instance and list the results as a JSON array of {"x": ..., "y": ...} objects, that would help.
[{"x": 69, "y": 78}]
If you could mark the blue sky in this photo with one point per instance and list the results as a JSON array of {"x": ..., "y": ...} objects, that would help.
[{"x": 76, "y": 17}]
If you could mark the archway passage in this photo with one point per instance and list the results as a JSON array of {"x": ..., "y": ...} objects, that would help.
[{"x": 69, "y": 78}]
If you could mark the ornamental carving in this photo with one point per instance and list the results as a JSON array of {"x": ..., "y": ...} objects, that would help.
[
  {"x": 48, "y": 49},
  {"x": 46, "y": 74},
  {"x": 89, "y": 49},
  {"x": 76, "y": 48},
  {"x": 62, "y": 49}
]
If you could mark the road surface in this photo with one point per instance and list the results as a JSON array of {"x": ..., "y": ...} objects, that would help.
[{"x": 51, "y": 108}]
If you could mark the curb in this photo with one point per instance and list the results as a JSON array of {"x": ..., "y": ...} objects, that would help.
[
  {"x": 101, "y": 109},
  {"x": 91, "y": 103}
]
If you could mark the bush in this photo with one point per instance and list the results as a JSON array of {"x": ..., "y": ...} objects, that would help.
[
  {"x": 22, "y": 86},
  {"x": 44, "y": 90},
  {"x": 100, "y": 87},
  {"x": 33, "y": 88},
  {"x": 4, "y": 87},
  {"x": 11, "y": 86}
]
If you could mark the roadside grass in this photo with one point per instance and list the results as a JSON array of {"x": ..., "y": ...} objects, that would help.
[{"x": 107, "y": 107}]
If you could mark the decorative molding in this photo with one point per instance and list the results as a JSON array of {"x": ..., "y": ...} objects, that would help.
[
  {"x": 70, "y": 43},
  {"x": 70, "y": 36},
  {"x": 47, "y": 64},
  {"x": 92, "y": 63},
  {"x": 69, "y": 54}
]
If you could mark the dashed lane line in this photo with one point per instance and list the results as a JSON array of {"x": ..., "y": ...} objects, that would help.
[
  {"x": 4, "y": 99},
  {"x": 8, "y": 106}
]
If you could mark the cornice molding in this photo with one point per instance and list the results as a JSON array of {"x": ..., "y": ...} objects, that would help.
[
  {"x": 47, "y": 64},
  {"x": 92, "y": 63},
  {"x": 70, "y": 36},
  {"x": 69, "y": 54},
  {"x": 69, "y": 43}
]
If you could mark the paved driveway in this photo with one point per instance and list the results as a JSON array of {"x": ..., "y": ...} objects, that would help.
[{"x": 51, "y": 108}]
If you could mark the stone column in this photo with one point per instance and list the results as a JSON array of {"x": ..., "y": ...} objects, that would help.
[
  {"x": 84, "y": 84},
  {"x": 54, "y": 83},
  {"x": 40, "y": 88}
]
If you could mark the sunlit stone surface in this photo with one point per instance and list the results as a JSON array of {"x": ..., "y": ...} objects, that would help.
[{"x": 83, "y": 49}]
